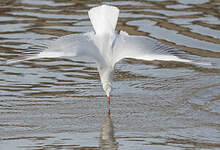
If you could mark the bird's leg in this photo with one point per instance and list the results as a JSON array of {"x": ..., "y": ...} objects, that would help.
[{"x": 109, "y": 100}]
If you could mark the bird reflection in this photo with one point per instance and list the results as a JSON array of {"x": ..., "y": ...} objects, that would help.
[{"x": 107, "y": 139}]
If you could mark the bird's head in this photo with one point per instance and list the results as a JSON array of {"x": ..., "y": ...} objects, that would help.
[
  {"x": 107, "y": 88},
  {"x": 106, "y": 75}
]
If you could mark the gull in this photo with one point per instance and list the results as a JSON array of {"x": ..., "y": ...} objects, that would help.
[{"x": 106, "y": 47}]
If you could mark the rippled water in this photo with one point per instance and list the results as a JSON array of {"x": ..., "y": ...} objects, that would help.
[{"x": 59, "y": 103}]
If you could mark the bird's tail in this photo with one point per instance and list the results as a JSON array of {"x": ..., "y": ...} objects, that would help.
[{"x": 104, "y": 18}]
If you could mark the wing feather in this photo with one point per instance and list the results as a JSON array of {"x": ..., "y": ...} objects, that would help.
[
  {"x": 140, "y": 47},
  {"x": 78, "y": 45}
]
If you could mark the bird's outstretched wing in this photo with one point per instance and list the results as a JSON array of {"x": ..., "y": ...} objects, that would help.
[
  {"x": 71, "y": 45},
  {"x": 140, "y": 47}
]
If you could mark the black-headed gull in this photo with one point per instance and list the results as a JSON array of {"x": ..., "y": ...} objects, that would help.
[{"x": 106, "y": 47}]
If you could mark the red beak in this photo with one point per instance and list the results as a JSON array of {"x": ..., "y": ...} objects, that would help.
[{"x": 109, "y": 100}]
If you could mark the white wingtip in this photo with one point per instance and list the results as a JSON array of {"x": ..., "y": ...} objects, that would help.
[
  {"x": 104, "y": 18},
  {"x": 22, "y": 58}
]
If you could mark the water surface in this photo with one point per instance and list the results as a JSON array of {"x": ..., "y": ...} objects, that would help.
[{"x": 59, "y": 103}]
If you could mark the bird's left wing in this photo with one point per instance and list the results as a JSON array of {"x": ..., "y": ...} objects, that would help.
[
  {"x": 78, "y": 45},
  {"x": 140, "y": 47}
]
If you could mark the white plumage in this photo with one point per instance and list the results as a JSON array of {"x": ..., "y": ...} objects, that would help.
[
  {"x": 106, "y": 47},
  {"x": 104, "y": 19}
]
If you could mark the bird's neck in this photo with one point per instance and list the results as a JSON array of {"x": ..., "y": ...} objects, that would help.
[{"x": 106, "y": 75}]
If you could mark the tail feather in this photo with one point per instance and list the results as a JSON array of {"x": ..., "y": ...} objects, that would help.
[{"x": 104, "y": 18}]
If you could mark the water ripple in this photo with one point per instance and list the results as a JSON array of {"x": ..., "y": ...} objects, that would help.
[{"x": 59, "y": 103}]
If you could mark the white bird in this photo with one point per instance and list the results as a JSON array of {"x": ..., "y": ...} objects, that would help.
[{"x": 106, "y": 47}]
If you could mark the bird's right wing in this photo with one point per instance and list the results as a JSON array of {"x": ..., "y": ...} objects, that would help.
[
  {"x": 78, "y": 45},
  {"x": 140, "y": 47}
]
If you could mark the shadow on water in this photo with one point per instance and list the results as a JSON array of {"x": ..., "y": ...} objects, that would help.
[{"x": 107, "y": 139}]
